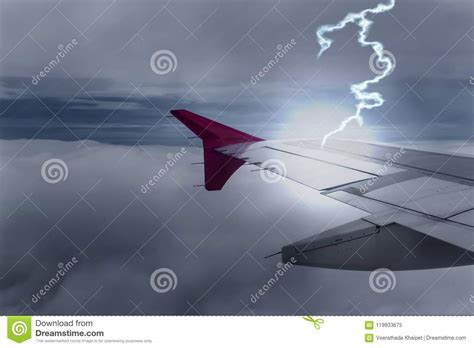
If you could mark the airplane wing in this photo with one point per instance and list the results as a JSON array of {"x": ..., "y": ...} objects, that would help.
[{"x": 419, "y": 204}]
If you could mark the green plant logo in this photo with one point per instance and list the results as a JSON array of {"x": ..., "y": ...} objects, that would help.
[
  {"x": 316, "y": 322},
  {"x": 19, "y": 328}
]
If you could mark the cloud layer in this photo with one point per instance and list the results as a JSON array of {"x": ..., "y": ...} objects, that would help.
[{"x": 215, "y": 242}]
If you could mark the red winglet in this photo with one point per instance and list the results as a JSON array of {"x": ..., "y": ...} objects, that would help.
[{"x": 218, "y": 168}]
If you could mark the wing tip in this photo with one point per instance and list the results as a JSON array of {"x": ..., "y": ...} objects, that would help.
[{"x": 218, "y": 167}]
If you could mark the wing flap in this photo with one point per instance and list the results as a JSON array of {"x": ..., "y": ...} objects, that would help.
[
  {"x": 447, "y": 231},
  {"x": 424, "y": 194},
  {"x": 365, "y": 246},
  {"x": 318, "y": 154},
  {"x": 313, "y": 173},
  {"x": 453, "y": 165},
  {"x": 465, "y": 218}
]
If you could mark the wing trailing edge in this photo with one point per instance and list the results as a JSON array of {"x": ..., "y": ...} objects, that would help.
[{"x": 364, "y": 246}]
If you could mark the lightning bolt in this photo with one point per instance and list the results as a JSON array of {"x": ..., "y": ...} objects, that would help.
[{"x": 366, "y": 100}]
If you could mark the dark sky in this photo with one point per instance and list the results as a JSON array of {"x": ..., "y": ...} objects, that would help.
[
  {"x": 219, "y": 46},
  {"x": 105, "y": 93}
]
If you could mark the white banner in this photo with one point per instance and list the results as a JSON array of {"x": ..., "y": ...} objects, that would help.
[{"x": 218, "y": 331}]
